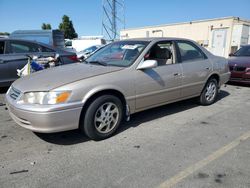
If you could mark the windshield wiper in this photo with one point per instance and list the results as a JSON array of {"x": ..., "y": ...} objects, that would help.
[{"x": 97, "y": 62}]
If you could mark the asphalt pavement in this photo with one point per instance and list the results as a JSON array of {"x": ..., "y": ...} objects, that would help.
[{"x": 177, "y": 145}]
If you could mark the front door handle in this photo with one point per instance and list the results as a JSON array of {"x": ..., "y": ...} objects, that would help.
[{"x": 2, "y": 61}]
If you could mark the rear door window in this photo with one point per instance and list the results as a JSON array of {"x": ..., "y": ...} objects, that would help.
[
  {"x": 22, "y": 47},
  {"x": 45, "y": 49},
  {"x": 189, "y": 51}
]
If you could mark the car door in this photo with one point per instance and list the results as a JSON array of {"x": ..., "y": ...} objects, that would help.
[
  {"x": 195, "y": 65},
  {"x": 4, "y": 68},
  {"x": 16, "y": 55},
  {"x": 162, "y": 84}
]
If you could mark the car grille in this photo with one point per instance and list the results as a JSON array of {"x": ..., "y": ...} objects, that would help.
[
  {"x": 14, "y": 93},
  {"x": 237, "y": 68}
]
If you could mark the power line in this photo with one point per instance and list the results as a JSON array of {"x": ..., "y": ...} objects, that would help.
[{"x": 113, "y": 18}]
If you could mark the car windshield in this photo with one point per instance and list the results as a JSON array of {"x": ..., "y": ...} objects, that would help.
[
  {"x": 90, "y": 49},
  {"x": 244, "y": 51},
  {"x": 122, "y": 53}
]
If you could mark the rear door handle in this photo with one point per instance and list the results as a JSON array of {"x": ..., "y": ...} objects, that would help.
[{"x": 2, "y": 61}]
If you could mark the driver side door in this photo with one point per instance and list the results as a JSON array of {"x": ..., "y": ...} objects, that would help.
[{"x": 162, "y": 84}]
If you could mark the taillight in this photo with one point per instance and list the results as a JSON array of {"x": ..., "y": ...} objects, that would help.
[{"x": 72, "y": 57}]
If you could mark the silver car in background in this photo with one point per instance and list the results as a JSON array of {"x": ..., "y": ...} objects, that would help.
[
  {"x": 122, "y": 78},
  {"x": 88, "y": 51}
]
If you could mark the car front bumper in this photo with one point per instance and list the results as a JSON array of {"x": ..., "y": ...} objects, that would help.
[
  {"x": 45, "y": 120},
  {"x": 240, "y": 77}
]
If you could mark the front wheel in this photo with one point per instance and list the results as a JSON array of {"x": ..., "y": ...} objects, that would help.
[
  {"x": 209, "y": 93},
  {"x": 102, "y": 117}
]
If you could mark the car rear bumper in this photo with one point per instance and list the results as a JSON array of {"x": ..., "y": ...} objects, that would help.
[{"x": 46, "y": 122}]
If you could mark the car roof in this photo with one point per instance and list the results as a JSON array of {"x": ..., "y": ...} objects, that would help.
[
  {"x": 150, "y": 39},
  {"x": 246, "y": 45}
]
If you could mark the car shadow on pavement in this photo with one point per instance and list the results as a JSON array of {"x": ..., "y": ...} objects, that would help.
[
  {"x": 3, "y": 90},
  {"x": 76, "y": 137},
  {"x": 64, "y": 138},
  {"x": 238, "y": 84},
  {"x": 165, "y": 110}
]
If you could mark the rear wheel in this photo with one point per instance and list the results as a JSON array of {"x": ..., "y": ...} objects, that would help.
[
  {"x": 102, "y": 117},
  {"x": 210, "y": 92}
]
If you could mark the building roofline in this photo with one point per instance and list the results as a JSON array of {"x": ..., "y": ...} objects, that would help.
[{"x": 195, "y": 21}]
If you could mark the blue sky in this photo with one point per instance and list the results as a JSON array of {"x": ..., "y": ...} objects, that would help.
[{"x": 87, "y": 14}]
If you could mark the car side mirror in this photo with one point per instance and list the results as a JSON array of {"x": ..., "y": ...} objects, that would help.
[
  {"x": 231, "y": 54},
  {"x": 148, "y": 64}
]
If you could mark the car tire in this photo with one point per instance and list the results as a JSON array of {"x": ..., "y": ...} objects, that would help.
[
  {"x": 209, "y": 93},
  {"x": 102, "y": 118}
]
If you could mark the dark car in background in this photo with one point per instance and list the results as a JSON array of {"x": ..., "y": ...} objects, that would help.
[
  {"x": 13, "y": 56},
  {"x": 239, "y": 64}
]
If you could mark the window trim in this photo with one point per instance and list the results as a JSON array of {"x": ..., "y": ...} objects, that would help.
[
  {"x": 192, "y": 44},
  {"x": 9, "y": 51}
]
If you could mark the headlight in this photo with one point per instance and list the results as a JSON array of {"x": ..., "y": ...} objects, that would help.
[{"x": 53, "y": 97}]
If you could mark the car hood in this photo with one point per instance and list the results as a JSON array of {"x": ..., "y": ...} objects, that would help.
[
  {"x": 239, "y": 61},
  {"x": 55, "y": 77}
]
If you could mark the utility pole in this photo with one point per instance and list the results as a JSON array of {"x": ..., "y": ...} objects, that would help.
[{"x": 113, "y": 19}]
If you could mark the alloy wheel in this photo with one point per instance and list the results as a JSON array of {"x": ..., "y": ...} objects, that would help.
[
  {"x": 106, "y": 117},
  {"x": 210, "y": 91}
]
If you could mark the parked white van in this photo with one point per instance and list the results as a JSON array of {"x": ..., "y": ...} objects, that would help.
[{"x": 84, "y": 42}]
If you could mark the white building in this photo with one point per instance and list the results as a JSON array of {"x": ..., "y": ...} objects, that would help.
[{"x": 220, "y": 36}]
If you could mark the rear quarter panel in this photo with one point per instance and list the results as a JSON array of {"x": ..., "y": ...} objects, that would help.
[{"x": 220, "y": 67}]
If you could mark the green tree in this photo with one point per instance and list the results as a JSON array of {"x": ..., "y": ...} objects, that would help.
[
  {"x": 67, "y": 27},
  {"x": 46, "y": 26},
  {"x": 4, "y": 33}
]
